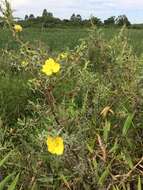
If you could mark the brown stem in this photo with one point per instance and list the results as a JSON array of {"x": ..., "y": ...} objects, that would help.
[{"x": 51, "y": 101}]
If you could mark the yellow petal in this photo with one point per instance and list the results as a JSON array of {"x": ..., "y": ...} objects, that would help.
[
  {"x": 49, "y": 62},
  {"x": 59, "y": 149},
  {"x": 50, "y": 67},
  {"x": 56, "y": 67},
  {"x": 47, "y": 70},
  {"x": 18, "y": 28},
  {"x": 50, "y": 144},
  {"x": 55, "y": 145}
]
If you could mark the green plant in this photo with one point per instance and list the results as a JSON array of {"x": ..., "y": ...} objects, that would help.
[
  {"x": 87, "y": 102},
  {"x": 3, "y": 182}
]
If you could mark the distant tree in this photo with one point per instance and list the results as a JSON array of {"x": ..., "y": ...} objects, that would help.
[
  {"x": 66, "y": 21},
  {"x": 73, "y": 17},
  {"x": 45, "y": 13},
  {"x": 50, "y": 14},
  {"x": 26, "y": 17},
  {"x": 122, "y": 20},
  {"x": 31, "y": 16},
  {"x": 86, "y": 22},
  {"x": 95, "y": 20},
  {"x": 78, "y": 18},
  {"x": 110, "y": 21}
]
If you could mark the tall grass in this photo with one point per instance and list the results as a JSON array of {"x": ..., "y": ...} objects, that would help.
[
  {"x": 57, "y": 39},
  {"x": 94, "y": 103}
]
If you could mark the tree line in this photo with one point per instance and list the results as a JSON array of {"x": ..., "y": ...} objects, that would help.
[{"x": 47, "y": 19}]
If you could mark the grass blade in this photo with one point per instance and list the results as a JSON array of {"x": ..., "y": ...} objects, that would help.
[
  {"x": 14, "y": 183},
  {"x": 5, "y": 159},
  {"x": 4, "y": 181},
  {"x": 127, "y": 124},
  {"x": 139, "y": 184},
  {"x": 103, "y": 176},
  {"x": 106, "y": 131}
]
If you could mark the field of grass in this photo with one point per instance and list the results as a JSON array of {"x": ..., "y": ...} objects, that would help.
[
  {"x": 60, "y": 39},
  {"x": 93, "y": 103}
]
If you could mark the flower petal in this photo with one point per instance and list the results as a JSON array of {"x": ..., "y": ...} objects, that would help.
[{"x": 56, "y": 67}]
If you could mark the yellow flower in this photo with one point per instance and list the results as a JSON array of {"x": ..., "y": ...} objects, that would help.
[
  {"x": 55, "y": 145},
  {"x": 50, "y": 67},
  {"x": 18, "y": 28},
  {"x": 24, "y": 63}
]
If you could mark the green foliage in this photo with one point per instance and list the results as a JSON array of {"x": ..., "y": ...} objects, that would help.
[
  {"x": 4, "y": 181},
  {"x": 4, "y": 159},
  {"x": 96, "y": 21},
  {"x": 87, "y": 103},
  {"x": 122, "y": 20},
  {"x": 110, "y": 21},
  {"x": 127, "y": 124},
  {"x": 14, "y": 183}
]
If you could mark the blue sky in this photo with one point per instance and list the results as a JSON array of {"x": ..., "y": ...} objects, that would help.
[{"x": 64, "y": 8}]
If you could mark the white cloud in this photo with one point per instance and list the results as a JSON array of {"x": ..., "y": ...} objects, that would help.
[
  {"x": 64, "y": 3},
  {"x": 64, "y": 8},
  {"x": 17, "y": 3}
]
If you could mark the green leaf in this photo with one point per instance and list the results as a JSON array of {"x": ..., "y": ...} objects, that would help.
[
  {"x": 106, "y": 131},
  {"x": 115, "y": 188},
  {"x": 115, "y": 147},
  {"x": 14, "y": 183},
  {"x": 127, "y": 124},
  {"x": 5, "y": 159},
  {"x": 127, "y": 159},
  {"x": 5, "y": 181},
  {"x": 103, "y": 176},
  {"x": 139, "y": 184},
  {"x": 96, "y": 168},
  {"x": 90, "y": 149},
  {"x": 34, "y": 186},
  {"x": 65, "y": 181}
]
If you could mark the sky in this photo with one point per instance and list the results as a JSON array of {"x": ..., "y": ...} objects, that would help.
[{"x": 64, "y": 8}]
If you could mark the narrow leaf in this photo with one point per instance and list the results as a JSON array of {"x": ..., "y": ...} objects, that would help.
[
  {"x": 5, "y": 159},
  {"x": 127, "y": 124},
  {"x": 139, "y": 184},
  {"x": 65, "y": 181},
  {"x": 5, "y": 181},
  {"x": 14, "y": 183},
  {"x": 106, "y": 131},
  {"x": 103, "y": 177}
]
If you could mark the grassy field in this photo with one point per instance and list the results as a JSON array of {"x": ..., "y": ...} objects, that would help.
[
  {"x": 74, "y": 122},
  {"x": 61, "y": 39}
]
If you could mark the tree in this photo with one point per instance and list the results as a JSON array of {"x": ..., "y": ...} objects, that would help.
[
  {"x": 110, "y": 21},
  {"x": 50, "y": 14},
  {"x": 26, "y": 17},
  {"x": 31, "y": 16},
  {"x": 95, "y": 20},
  {"x": 45, "y": 13},
  {"x": 73, "y": 17},
  {"x": 76, "y": 19},
  {"x": 122, "y": 20}
]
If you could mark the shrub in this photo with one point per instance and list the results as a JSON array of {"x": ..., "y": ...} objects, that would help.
[{"x": 91, "y": 101}]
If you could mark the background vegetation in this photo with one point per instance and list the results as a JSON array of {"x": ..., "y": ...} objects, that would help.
[
  {"x": 95, "y": 103},
  {"x": 59, "y": 39}
]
